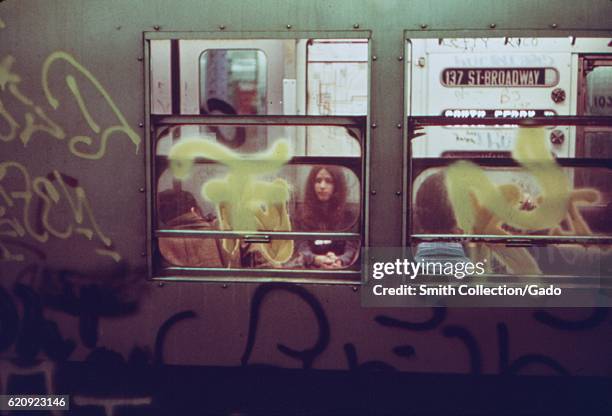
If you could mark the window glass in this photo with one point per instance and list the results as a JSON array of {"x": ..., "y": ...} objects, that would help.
[
  {"x": 233, "y": 81},
  {"x": 260, "y": 77},
  {"x": 599, "y": 91},
  {"x": 528, "y": 194},
  {"x": 204, "y": 185},
  {"x": 259, "y": 192},
  {"x": 323, "y": 141},
  {"x": 340, "y": 213}
]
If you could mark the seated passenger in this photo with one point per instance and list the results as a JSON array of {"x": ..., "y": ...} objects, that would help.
[
  {"x": 325, "y": 210},
  {"x": 179, "y": 210},
  {"x": 434, "y": 215}
]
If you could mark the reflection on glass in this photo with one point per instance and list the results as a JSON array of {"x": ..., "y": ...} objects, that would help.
[{"x": 233, "y": 81}]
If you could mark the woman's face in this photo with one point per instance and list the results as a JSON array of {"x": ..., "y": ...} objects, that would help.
[{"x": 324, "y": 185}]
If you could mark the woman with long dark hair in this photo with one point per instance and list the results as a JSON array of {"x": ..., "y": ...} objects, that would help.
[{"x": 325, "y": 209}]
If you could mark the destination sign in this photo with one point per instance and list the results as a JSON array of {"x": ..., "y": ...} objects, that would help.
[
  {"x": 499, "y": 77},
  {"x": 497, "y": 113},
  {"x": 476, "y": 154}
]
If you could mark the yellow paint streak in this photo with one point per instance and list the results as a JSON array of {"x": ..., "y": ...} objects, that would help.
[
  {"x": 77, "y": 142},
  {"x": 86, "y": 232},
  {"x": 12, "y": 124},
  {"x": 25, "y": 194},
  {"x": 81, "y": 103},
  {"x": 110, "y": 253},
  {"x": 481, "y": 207},
  {"x": 6, "y": 76},
  {"x": 80, "y": 205},
  {"x": 14, "y": 89},
  {"x": 51, "y": 128},
  {"x": 470, "y": 189},
  {"x": 2, "y": 24},
  {"x": 45, "y": 190},
  {"x": 243, "y": 202}
]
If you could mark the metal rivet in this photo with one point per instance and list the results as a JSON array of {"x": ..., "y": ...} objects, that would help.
[
  {"x": 156, "y": 27},
  {"x": 374, "y": 125},
  {"x": 374, "y": 57},
  {"x": 221, "y": 27},
  {"x": 139, "y": 59},
  {"x": 354, "y": 288},
  {"x": 141, "y": 190},
  {"x": 373, "y": 192},
  {"x": 492, "y": 25},
  {"x": 143, "y": 254},
  {"x": 356, "y": 26},
  {"x": 554, "y": 25},
  {"x": 289, "y": 26},
  {"x": 398, "y": 193},
  {"x": 224, "y": 285},
  {"x": 160, "y": 284},
  {"x": 423, "y": 25},
  {"x": 140, "y": 124},
  {"x": 399, "y": 58},
  {"x": 398, "y": 125}
]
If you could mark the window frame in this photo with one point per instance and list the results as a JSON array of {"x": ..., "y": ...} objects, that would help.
[{"x": 350, "y": 276}]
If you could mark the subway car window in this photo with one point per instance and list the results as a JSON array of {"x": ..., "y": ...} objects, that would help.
[
  {"x": 260, "y": 76},
  {"x": 233, "y": 81},
  {"x": 280, "y": 193},
  {"x": 503, "y": 164}
]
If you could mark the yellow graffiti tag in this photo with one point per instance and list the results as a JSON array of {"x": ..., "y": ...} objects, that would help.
[
  {"x": 10, "y": 81},
  {"x": 123, "y": 127},
  {"x": 17, "y": 210},
  {"x": 243, "y": 202},
  {"x": 482, "y": 207},
  {"x": 467, "y": 181},
  {"x": 36, "y": 119}
]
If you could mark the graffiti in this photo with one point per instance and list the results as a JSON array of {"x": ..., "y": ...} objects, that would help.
[
  {"x": 475, "y": 357},
  {"x": 484, "y": 208},
  {"x": 32, "y": 333},
  {"x": 507, "y": 367},
  {"x": 112, "y": 293},
  {"x": 10, "y": 81},
  {"x": 438, "y": 316},
  {"x": 532, "y": 153},
  {"x": 36, "y": 119},
  {"x": 123, "y": 127},
  {"x": 16, "y": 207},
  {"x": 243, "y": 202},
  {"x": 404, "y": 351},
  {"x": 353, "y": 361},
  {"x": 596, "y": 318},
  {"x": 307, "y": 355},
  {"x": 163, "y": 332}
]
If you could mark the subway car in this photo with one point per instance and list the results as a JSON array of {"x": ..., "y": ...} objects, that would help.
[{"x": 230, "y": 207}]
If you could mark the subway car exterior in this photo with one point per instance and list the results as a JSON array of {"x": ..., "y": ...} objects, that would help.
[{"x": 117, "y": 118}]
